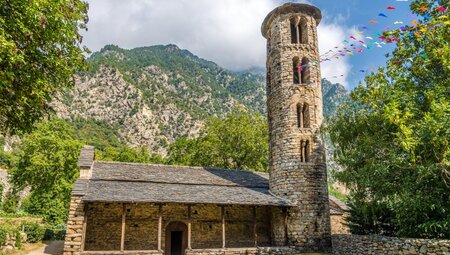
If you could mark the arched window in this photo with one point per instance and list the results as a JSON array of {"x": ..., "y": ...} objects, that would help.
[
  {"x": 295, "y": 70},
  {"x": 305, "y": 115},
  {"x": 294, "y": 34},
  {"x": 304, "y": 151},
  {"x": 305, "y": 71},
  {"x": 303, "y": 31}
]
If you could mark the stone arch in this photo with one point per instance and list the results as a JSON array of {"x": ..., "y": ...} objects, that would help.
[
  {"x": 305, "y": 72},
  {"x": 176, "y": 238},
  {"x": 303, "y": 115},
  {"x": 304, "y": 150},
  {"x": 295, "y": 70},
  {"x": 294, "y": 32}
]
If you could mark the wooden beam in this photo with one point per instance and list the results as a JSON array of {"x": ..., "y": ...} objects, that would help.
[
  {"x": 286, "y": 237},
  {"x": 255, "y": 230},
  {"x": 159, "y": 227},
  {"x": 122, "y": 236},
  {"x": 189, "y": 228},
  {"x": 223, "y": 226}
]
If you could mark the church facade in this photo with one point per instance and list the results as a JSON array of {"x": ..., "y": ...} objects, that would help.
[{"x": 119, "y": 208}]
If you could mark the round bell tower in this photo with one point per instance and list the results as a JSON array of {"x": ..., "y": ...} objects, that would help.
[{"x": 294, "y": 105}]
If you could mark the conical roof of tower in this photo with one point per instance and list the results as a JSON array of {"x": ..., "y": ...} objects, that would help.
[{"x": 290, "y": 8}]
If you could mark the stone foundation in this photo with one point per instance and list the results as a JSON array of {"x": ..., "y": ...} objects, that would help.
[
  {"x": 243, "y": 251},
  {"x": 381, "y": 245}
]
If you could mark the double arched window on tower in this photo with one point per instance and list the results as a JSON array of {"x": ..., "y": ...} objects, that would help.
[
  {"x": 299, "y": 30},
  {"x": 303, "y": 116},
  {"x": 300, "y": 71}
]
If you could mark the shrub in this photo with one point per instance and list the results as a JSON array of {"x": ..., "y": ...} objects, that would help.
[
  {"x": 19, "y": 241},
  {"x": 35, "y": 232},
  {"x": 3, "y": 235}
]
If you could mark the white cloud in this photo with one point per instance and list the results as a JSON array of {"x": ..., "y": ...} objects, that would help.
[
  {"x": 331, "y": 35},
  {"x": 226, "y": 32}
]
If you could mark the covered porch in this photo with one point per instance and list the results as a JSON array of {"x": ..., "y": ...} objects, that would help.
[{"x": 177, "y": 229}]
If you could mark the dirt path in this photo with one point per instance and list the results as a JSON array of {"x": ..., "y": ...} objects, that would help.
[{"x": 51, "y": 247}]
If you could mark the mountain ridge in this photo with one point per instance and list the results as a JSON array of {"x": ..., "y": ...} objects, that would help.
[{"x": 155, "y": 94}]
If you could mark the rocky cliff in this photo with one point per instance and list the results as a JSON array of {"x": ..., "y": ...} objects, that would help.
[{"x": 154, "y": 95}]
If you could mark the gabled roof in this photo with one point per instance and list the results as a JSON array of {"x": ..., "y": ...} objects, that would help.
[{"x": 131, "y": 182}]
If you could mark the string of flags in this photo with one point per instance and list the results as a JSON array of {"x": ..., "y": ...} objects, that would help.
[{"x": 362, "y": 41}]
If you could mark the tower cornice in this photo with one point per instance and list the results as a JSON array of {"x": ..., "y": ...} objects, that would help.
[{"x": 290, "y": 8}]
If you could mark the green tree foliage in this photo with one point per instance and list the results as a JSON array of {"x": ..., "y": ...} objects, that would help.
[
  {"x": 238, "y": 141},
  {"x": 125, "y": 153},
  {"x": 46, "y": 161},
  {"x": 39, "y": 53},
  {"x": 393, "y": 136}
]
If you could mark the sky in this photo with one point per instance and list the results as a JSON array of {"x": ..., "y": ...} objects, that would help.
[{"x": 228, "y": 31}]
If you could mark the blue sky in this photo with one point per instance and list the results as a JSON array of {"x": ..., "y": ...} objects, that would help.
[
  {"x": 357, "y": 13},
  {"x": 228, "y": 31}
]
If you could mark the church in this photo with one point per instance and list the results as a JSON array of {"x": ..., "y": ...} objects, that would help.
[{"x": 128, "y": 208}]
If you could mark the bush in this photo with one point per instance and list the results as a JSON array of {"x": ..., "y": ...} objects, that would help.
[
  {"x": 19, "y": 241},
  {"x": 7, "y": 229},
  {"x": 35, "y": 232},
  {"x": 3, "y": 235}
]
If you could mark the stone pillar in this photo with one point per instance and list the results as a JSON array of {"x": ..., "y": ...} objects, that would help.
[
  {"x": 76, "y": 227},
  {"x": 296, "y": 151}
]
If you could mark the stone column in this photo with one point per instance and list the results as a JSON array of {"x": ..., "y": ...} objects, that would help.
[
  {"x": 75, "y": 236},
  {"x": 223, "y": 226},
  {"x": 159, "y": 227}
]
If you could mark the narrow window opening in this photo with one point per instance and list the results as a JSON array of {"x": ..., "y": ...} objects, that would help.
[
  {"x": 296, "y": 71},
  {"x": 300, "y": 34},
  {"x": 307, "y": 151},
  {"x": 305, "y": 115},
  {"x": 303, "y": 31},
  {"x": 294, "y": 37},
  {"x": 305, "y": 74},
  {"x": 304, "y": 151}
]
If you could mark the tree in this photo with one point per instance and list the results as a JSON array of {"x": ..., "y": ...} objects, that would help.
[
  {"x": 238, "y": 141},
  {"x": 39, "y": 53},
  {"x": 46, "y": 161},
  {"x": 392, "y": 137},
  {"x": 124, "y": 153}
]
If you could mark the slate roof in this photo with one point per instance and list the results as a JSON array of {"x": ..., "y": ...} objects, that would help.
[{"x": 131, "y": 182}]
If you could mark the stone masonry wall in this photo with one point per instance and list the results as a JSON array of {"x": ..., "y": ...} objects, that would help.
[
  {"x": 338, "y": 222},
  {"x": 304, "y": 183},
  {"x": 244, "y": 251},
  {"x": 103, "y": 230},
  {"x": 74, "y": 234},
  {"x": 382, "y": 245}
]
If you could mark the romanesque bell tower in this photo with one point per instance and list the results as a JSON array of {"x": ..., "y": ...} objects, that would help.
[{"x": 294, "y": 105}]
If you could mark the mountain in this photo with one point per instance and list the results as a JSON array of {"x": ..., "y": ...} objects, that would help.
[
  {"x": 333, "y": 95},
  {"x": 153, "y": 95}
]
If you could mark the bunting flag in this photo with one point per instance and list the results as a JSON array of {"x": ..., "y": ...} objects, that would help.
[{"x": 364, "y": 38}]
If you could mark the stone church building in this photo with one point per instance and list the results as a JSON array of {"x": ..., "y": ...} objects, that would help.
[{"x": 131, "y": 208}]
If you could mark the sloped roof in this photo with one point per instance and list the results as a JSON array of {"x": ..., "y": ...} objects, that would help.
[{"x": 131, "y": 182}]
